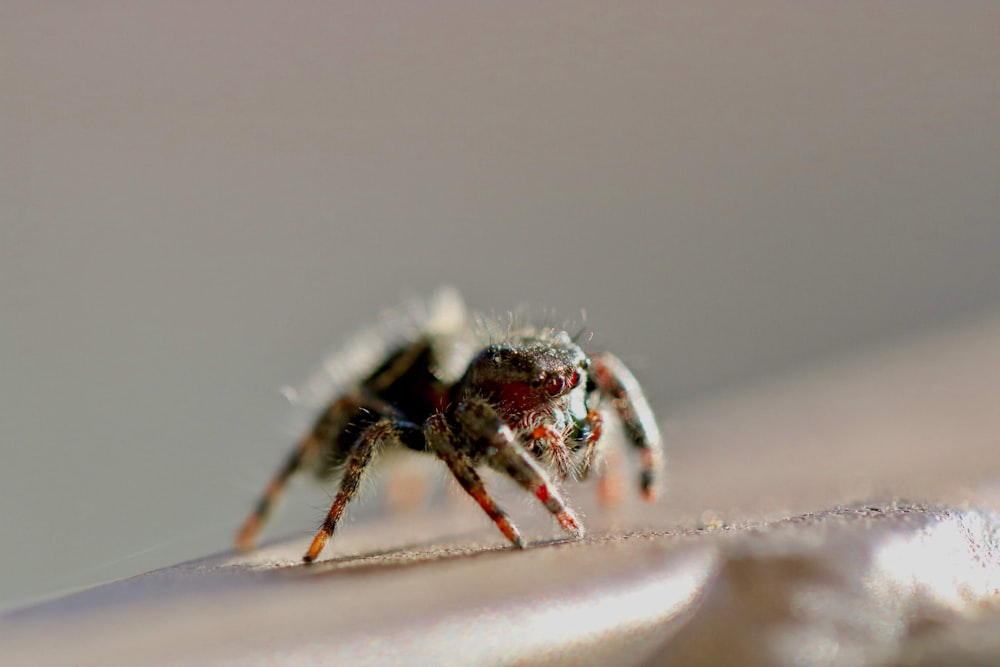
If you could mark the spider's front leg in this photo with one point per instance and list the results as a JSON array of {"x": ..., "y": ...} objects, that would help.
[
  {"x": 480, "y": 423},
  {"x": 359, "y": 458},
  {"x": 615, "y": 381},
  {"x": 439, "y": 440}
]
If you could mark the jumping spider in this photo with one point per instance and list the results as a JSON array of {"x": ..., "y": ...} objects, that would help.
[{"x": 520, "y": 401}]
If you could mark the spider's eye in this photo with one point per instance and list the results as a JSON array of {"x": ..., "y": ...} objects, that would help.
[
  {"x": 555, "y": 385},
  {"x": 574, "y": 379}
]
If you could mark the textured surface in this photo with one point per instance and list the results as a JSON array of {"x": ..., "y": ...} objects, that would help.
[
  {"x": 844, "y": 518},
  {"x": 863, "y": 585}
]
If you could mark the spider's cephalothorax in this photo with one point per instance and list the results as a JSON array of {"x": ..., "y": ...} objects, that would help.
[{"x": 527, "y": 405}]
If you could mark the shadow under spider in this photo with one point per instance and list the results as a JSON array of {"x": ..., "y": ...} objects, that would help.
[{"x": 410, "y": 555}]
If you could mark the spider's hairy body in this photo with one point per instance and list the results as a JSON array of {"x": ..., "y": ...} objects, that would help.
[{"x": 527, "y": 404}]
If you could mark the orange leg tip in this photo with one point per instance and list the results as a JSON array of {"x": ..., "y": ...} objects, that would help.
[
  {"x": 315, "y": 548},
  {"x": 610, "y": 492},
  {"x": 570, "y": 523},
  {"x": 511, "y": 533},
  {"x": 247, "y": 535}
]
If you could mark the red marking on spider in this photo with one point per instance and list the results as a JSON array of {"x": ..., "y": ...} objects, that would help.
[
  {"x": 546, "y": 432},
  {"x": 542, "y": 493}
]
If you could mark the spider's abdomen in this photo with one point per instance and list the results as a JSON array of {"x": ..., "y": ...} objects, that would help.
[{"x": 407, "y": 382}]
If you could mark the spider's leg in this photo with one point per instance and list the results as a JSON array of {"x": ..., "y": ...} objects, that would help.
[
  {"x": 359, "y": 458},
  {"x": 316, "y": 449},
  {"x": 615, "y": 381},
  {"x": 610, "y": 484},
  {"x": 482, "y": 424},
  {"x": 252, "y": 525},
  {"x": 439, "y": 439}
]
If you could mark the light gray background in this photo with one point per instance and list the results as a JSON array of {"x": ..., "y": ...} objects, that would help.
[{"x": 198, "y": 199}]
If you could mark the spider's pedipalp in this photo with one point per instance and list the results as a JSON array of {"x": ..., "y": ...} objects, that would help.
[{"x": 548, "y": 437}]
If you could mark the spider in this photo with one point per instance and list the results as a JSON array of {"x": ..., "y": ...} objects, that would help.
[{"x": 527, "y": 402}]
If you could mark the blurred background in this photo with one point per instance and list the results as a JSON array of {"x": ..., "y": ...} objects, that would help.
[{"x": 197, "y": 200}]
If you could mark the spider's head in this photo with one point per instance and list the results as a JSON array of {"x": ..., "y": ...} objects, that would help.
[{"x": 529, "y": 373}]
